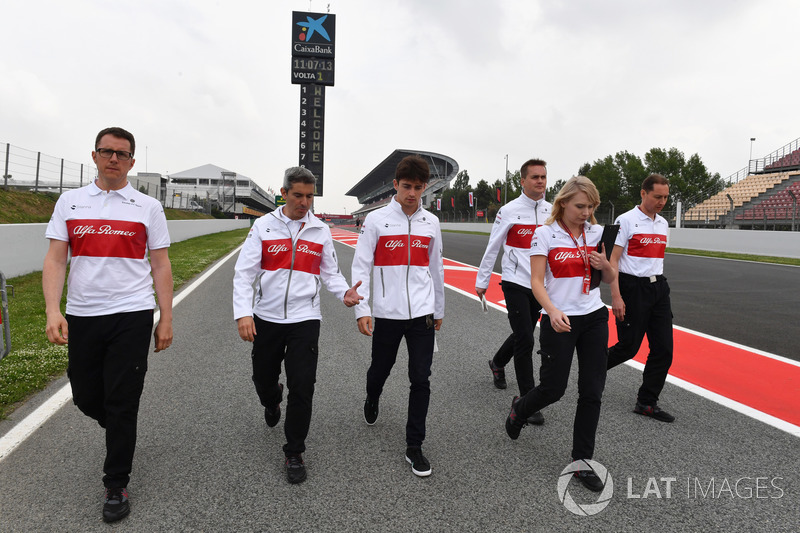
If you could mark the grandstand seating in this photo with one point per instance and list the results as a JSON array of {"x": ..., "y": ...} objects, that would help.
[
  {"x": 741, "y": 192},
  {"x": 777, "y": 206},
  {"x": 789, "y": 160}
]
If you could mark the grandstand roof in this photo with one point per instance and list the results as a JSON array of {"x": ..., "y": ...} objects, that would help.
[
  {"x": 204, "y": 171},
  {"x": 380, "y": 178}
]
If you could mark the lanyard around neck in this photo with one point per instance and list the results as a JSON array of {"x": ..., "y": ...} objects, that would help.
[{"x": 584, "y": 253}]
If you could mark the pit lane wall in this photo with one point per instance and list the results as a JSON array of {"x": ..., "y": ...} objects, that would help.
[
  {"x": 773, "y": 243},
  {"x": 23, "y": 246}
]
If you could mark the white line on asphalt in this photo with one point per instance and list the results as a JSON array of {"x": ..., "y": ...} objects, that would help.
[{"x": 25, "y": 427}]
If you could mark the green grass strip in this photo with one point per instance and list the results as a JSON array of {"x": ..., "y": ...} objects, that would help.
[
  {"x": 34, "y": 362},
  {"x": 740, "y": 257}
]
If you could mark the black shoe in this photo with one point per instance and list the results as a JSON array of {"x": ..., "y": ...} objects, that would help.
[
  {"x": 589, "y": 480},
  {"x": 116, "y": 506},
  {"x": 514, "y": 423},
  {"x": 419, "y": 465},
  {"x": 653, "y": 411},
  {"x": 295, "y": 469},
  {"x": 498, "y": 375},
  {"x": 370, "y": 411},
  {"x": 273, "y": 415},
  {"x": 537, "y": 419}
]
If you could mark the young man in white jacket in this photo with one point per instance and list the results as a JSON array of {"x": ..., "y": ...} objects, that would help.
[
  {"x": 513, "y": 230},
  {"x": 401, "y": 244},
  {"x": 286, "y": 254}
]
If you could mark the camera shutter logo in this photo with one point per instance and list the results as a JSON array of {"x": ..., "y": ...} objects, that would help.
[{"x": 585, "y": 509}]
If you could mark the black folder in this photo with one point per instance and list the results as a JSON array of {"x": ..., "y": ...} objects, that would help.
[{"x": 607, "y": 240}]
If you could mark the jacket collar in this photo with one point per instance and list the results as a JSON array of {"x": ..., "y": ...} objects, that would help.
[{"x": 395, "y": 205}]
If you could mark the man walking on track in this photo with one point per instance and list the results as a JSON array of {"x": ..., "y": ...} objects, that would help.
[
  {"x": 285, "y": 255},
  {"x": 401, "y": 246},
  {"x": 640, "y": 298},
  {"x": 110, "y": 228},
  {"x": 513, "y": 230}
]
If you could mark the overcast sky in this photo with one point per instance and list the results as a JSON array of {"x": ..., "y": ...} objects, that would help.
[{"x": 206, "y": 81}]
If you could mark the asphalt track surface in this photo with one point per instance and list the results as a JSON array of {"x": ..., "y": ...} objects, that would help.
[
  {"x": 205, "y": 460},
  {"x": 754, "y": 304}
]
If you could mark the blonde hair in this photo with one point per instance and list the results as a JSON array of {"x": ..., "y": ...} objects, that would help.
[{"x": 573, "y": 186}]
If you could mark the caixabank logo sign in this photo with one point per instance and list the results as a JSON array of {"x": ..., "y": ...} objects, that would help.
[{"x": 313, "y": 34}]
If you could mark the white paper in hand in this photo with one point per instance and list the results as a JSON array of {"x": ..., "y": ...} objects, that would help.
[{"x": 484, "y": 305}]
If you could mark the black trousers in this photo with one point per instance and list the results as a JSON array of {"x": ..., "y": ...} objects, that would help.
[
  {"x": 589, "y": 337},
  {"x": 419, "y": 334},
  {"x": 523, "y": 313},
  {"x": 294, "y": 345},
  {"x": 647, "y": 312},
  {"x": 107, "y": 365}
]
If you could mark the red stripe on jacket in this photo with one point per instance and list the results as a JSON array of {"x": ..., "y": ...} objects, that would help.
[
  {"x": 277, "y": 254},
  {"x": 520, "y": 235},
  {"x": 392, "y": 250}
]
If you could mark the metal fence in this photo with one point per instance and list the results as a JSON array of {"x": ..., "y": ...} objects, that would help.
[{"x": 29, "y": 170}]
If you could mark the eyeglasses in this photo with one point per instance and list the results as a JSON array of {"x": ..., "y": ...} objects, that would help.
[{"x": 106, "y": 153}]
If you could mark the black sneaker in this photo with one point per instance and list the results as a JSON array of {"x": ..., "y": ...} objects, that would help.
[
  {"x": 498, "y": 375},
  {"x": 370, "y": 411},
  {"x": 116, "y": 505},
  {"x": 653, "y": 411},
  {"x": 419, "y": 465},
  {"x": 295, "y": 469},
  {"x": 514, "y": 423},
  {"x": 273, "y": 415},
  {"x": 589, "y": 480},
  {"x": 537, "y": 419}
]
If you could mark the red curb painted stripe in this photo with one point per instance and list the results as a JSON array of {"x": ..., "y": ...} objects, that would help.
[{"x": 762, "y": 383}]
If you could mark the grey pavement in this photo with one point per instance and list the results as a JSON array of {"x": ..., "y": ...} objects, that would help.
[{"x": 206, "y": 461}]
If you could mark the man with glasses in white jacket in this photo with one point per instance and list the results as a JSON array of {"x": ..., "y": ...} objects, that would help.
[
  {"x": 285, "y": 255},
  {"x": 401, "y": 245}
]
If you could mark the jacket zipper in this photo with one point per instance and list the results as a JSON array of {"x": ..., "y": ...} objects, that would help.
[
  {"x": 408, "y": 269},
  {"x": 291, "y": 268}
]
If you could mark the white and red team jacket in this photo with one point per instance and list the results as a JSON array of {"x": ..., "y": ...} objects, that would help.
[
  {"x": 406, "y": 253},
  {"x": 513, "y": 230},
  {"x": 565, "y": 267},
  {"x": 643, "y": 241},
  {"x": 109, "y": 234},
  {"x": 277, "y": 276}
]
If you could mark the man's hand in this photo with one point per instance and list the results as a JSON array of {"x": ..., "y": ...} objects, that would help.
[
  {"x": 480, "y": 292},
  {"x": 351, "y": 297},
  {"x": 618, "y": 307},
  {"x": 247, "y": 328},
  {"x": 163, "y": 335},
  {"x": 57, "y": 329},
  {"x": 365, "y": 325},
  {"x": 437, "y": 324}
]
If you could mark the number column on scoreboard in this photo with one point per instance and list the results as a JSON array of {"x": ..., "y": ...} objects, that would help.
[{"x": 312, "y": 130}]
